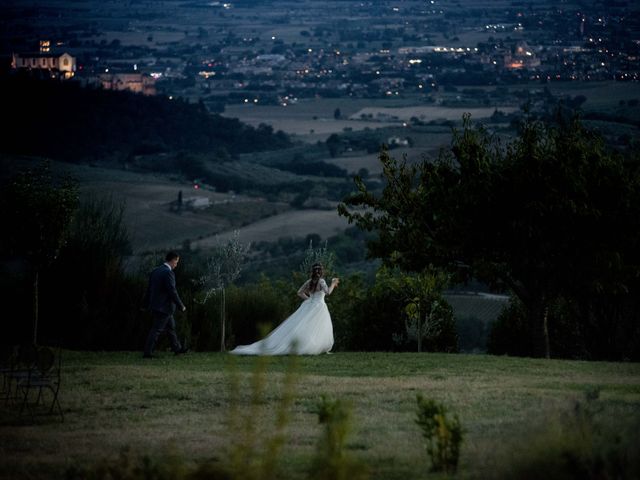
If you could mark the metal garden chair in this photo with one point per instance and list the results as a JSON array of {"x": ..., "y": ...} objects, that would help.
[{"x": 45, "y": 376}]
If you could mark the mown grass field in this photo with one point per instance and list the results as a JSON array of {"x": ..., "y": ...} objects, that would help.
[{"x": 184, "y": 404}]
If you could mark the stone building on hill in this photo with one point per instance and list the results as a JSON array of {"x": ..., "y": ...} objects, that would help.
[{"x": 62, "y": 66}]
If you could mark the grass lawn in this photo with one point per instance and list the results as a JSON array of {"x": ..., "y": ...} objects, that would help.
[{"x": 183, "y": 404}]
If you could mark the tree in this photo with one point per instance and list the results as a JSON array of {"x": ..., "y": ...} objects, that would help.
[
  {"x": 428, "y": 316},
  {"x": 37, "y": 209},
  {"x": 100, "y": 295},
  {"x": 554, "y": 213},
  {"x": 222, "y": 269},
  {"x": 317, "y": 255}
]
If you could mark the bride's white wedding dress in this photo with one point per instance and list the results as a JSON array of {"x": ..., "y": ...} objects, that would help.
[{"x": 308, "y": 331}]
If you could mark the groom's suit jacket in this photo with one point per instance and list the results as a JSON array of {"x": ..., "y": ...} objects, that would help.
[{"x": 162, "y": 295}]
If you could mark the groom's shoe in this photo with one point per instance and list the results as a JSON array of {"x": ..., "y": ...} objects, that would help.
[
  {"x": 147, "y": 355},
  {"x": 181, "y": 351}
]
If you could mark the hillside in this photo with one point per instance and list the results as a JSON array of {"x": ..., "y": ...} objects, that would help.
[{"x": 69, "y": 122}]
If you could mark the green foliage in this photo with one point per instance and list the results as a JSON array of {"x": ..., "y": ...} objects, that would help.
[
  {"x": 223, "y": 265},
  {"x": 222, "y": 268},
  {"x": 332, "y": 461},
  {"x": 37, "y": 208},
  {"x": 509, "y": 333},
  {"x": 428, "y": 317},
  {"x": 90, "y": 282},
  {"x": 132, "y": 466},
  {"x": 442, "y": 433},
  {"x": 318, "y": 255},
  {"x": 251, "y": 307},
  {"x": 579, "y": 443},
  {"x": 345, "y": 305},
  {"x": 553, "y": 214}
]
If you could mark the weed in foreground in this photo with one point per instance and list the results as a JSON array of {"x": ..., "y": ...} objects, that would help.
[
  {"x": 442, "y": 432},
  {"x": 332, "y": 461},
  {"x": 254, "y": 453}
]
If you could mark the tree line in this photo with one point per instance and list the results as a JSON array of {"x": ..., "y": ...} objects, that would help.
[
  {"x": 69, "y": 122},
  {"x": 552, "y": 218}
]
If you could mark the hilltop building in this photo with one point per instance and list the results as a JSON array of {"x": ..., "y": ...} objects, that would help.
[
  {"x": 133, "y": 81},
  {"x": 63, "y": 66}
]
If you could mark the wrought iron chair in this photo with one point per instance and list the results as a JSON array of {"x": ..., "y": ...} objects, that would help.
[
  {"x": 20, "y": 364},
  {"x": 45, "y": 375},
  {"x": 8, "y": 356}
]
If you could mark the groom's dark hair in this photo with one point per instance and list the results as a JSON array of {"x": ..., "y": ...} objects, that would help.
[{"x": 171, "y": 256}]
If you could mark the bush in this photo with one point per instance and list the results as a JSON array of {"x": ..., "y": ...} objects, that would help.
[
  {"x": 88, "y": 282},
  {"x": 332, "y": 462},
  {"x": 442, "y": 433},
  {"x": 581, "y": 444},
  {"x": 509, "y": 334},
  {"x": 252, "y": 308}
]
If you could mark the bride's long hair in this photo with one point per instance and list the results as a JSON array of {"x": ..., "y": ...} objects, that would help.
[{"x": 316, "y": 274}]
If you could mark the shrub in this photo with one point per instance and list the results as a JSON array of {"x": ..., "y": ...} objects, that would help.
[
  {"x": 252, "y": 306},
  {"x": 332, "y": 462},
  {"x": 442, "y": 433},
  {"x": 509, "y": 333},
  {"x": 580, "y": 444}
]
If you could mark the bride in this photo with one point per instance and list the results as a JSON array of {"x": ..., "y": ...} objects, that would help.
[{"x": 308, "y": 331}]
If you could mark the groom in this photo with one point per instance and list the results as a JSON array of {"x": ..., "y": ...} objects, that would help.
[{"x": 162, "y": 298}]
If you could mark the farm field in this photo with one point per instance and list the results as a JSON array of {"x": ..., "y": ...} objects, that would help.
[
  {"x": 294, "y": 223},
  {"x": 310, "y": 121},
  {"x": 313, "y": 120},
  {"x": 600, "y": 95},
  {"x": 430, "y": 113},
  {"x": 186, "y": 406},
  {"x": 149, "y": 215}
]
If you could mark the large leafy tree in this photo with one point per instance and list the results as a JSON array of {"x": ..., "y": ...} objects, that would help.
[
  {"x": 552, "y": 214},
  {"x": 37, "y": 208}
]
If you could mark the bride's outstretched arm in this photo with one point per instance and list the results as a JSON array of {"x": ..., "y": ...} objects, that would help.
[{"x": 334, "y": 283}]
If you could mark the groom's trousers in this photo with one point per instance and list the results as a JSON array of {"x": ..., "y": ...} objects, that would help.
[{"x": 162, "y": 322}]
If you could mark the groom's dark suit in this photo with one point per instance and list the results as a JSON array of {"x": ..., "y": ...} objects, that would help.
[{"x": 161, "y": 298}]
